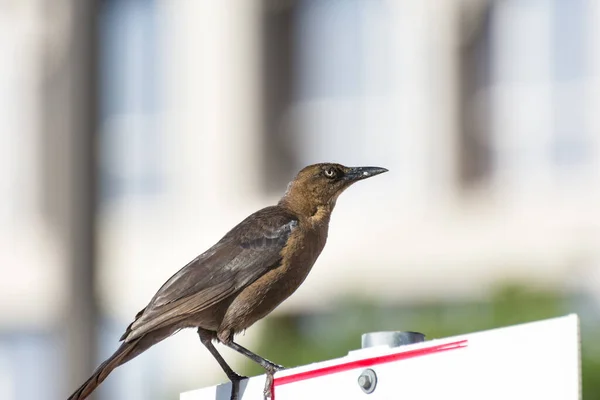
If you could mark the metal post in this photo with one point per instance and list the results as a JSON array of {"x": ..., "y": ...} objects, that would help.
[
  {"x": 391, "y": 338},
  {"x": 84, "y": 309},
  {"x": 70, "y": 173}
]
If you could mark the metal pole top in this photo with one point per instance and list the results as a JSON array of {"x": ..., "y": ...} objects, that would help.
[{"x": 391, "y": 338}]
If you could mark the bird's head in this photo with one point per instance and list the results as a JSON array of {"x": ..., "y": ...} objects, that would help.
[{"x": 319, "y": 185}]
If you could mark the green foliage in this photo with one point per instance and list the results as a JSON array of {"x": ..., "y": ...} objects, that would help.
[{"x": 303, "y": 339}]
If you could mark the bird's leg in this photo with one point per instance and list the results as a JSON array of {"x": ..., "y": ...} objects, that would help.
[
  {"x": 270, "y": 368},
  {"x": 206, "y": 337},
  {"x": 263, "y": 362}
]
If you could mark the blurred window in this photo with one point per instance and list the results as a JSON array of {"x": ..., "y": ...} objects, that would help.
[
  {"x": 325, "y": 61},
  {"x": 475, "y": 155},
  {"x": 279, "y": 81},
  {"x": 131, "y": 140},
  {"x": 525, "y": 74},
  {"x": 571, "y": 70}
]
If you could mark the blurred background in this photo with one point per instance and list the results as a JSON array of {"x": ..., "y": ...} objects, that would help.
[{"x": 135, "y": 133}]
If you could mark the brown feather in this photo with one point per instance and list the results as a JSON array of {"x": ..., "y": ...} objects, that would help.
[
  {"x": 103, "y": 370},
  {"x": 250, "y": 271}
]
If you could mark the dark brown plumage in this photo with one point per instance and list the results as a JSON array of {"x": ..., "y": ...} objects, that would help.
[{"x": 243, "y": 277}]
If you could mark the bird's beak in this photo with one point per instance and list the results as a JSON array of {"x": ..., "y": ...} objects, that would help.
[{"x": 358, "y": 173}]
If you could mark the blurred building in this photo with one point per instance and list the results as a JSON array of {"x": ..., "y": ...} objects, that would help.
[{"x": 485, "y": 113}]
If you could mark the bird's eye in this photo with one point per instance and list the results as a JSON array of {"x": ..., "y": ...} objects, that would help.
[{"x": 330, "y": 173}]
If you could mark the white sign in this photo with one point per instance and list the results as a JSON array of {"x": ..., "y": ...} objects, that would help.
[{"x": 539, "y": 360}]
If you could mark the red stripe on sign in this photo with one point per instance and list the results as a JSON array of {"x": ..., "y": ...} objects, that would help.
[{"x": 369, "y": 362}]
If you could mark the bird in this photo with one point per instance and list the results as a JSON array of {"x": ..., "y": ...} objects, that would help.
[{"x": 243, "y": 277}]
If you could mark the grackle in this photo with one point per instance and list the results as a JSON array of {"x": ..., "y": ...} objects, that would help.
[{"x": 243, "y": 277}]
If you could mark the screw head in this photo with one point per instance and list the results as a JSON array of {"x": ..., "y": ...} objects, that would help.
[
  {"x": 364, "y": 381},
  {"x": 367, "y": 380}
]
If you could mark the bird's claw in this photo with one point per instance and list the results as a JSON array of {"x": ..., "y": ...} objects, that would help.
[
  {"x": 274, "y": 368},
  {"x": 235, "y": 385},
  {"x": 268, "y": 391},
  {"x": 270, "y": 371}
]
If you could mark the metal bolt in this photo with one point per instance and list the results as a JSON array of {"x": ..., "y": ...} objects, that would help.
[{"x": 367, "y": 380}]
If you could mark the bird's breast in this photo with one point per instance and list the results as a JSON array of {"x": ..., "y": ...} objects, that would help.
[
  {"x": 267, "y": 292},
  {"x": 297, "y": 259},
  {"x": 303, "y": 248}
]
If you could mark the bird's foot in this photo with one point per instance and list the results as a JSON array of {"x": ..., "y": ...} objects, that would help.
[
  {"x": 270, "y": 370},
  {"x": 237, "y": 377},
  {"x": 274, "y": 367},
  {"x": 268, "y": 391},
  {"x": 235, "y": 390},
  {"x": 235, "y": 385}
]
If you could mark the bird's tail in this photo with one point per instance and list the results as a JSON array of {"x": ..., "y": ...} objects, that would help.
[{"x": 124, "y": 353}]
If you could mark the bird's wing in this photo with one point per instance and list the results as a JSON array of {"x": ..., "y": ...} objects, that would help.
[{"x": 244, "y": 254}]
